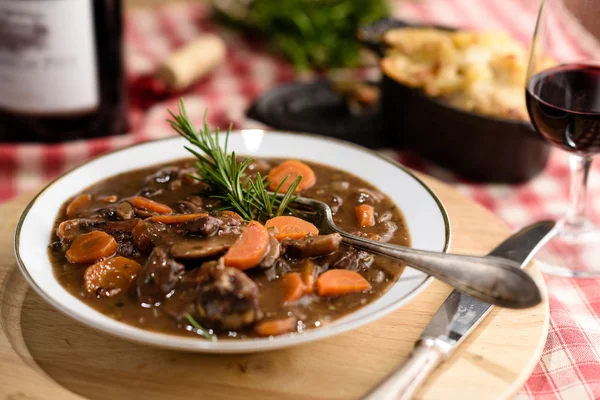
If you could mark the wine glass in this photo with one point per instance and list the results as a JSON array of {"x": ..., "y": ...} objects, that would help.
[{"x": 563, "y": 100}]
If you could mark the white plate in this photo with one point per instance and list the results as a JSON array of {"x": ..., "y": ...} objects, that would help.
[{"x": 426, "y": 218}]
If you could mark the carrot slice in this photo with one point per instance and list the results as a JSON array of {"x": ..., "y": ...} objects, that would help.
[
  {"x": 365, "y": 215},
  {"x": 150, "y": 205},
  {"x": 292, "y": 287},
  {"x": 91, "y": 247},
  {"x": 275, "y": 327},
  {"x": 291, "y": 169},
  {"x": 250, "y": 248},
  {"x": 108, "y": 277},
  {"x": 233, "y": 215},
  {"x": 309, "y": 276},
  {"x": 78, "y": 203},
  {"x": 291, "y": 227},
  {"x": 337, "y": 282},
  {"x": 176, "y": 218}
]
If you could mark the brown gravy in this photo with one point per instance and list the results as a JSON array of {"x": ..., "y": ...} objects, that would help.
[{"x": 169, "y": 185}]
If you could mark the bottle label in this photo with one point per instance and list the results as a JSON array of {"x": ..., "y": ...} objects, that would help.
[{"x": 47, "y": 57}]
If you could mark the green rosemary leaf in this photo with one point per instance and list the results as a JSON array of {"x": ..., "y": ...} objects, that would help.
[
  {"x": 288, "y": 197},
  {"x": 200, "y": 329},
  {"x": 226, "y": 176},
  {"x": 327, "y": 29}
]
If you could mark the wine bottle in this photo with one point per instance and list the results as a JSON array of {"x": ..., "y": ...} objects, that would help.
[{"x": 61, "y": 70}]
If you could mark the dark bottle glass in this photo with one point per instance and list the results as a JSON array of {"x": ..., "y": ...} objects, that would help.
[{"x": 61, "y": 70}]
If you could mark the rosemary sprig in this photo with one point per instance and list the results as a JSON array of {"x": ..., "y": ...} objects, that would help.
[
  {"x": 268, "y": 203},
  {"x": 221, "y": 170},
  {"x": 200, "y": 329},
  {"x": 326, "y": 28}
]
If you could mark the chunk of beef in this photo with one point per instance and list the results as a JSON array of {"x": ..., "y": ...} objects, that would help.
[
  {"x": 312, "y": 246},
  {"x": 158, "y": 277},
  {"x": 147, "y": 234},
  {"x": 125, "y": 246},
  {"x": 182, "y": 302},
  {"x": 231, "y": 224},
  {"x": 219, "y": 296},
  {"x": 228, "y": 298},
  {"x": 205, "y": 226},
  {"x": 353, "y": 260},
  {"x": 204, "y": 248}
]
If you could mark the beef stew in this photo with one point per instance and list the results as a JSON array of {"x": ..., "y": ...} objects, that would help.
[{"x": 152, "y": 248}]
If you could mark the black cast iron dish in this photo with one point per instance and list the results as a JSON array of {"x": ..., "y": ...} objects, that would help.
[
  {"x": 478, "y": 147},
  {"x": 315, "y": 107}
]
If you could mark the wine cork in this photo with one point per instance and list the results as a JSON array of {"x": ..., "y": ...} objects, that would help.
[{"x": 192, "y": 61}]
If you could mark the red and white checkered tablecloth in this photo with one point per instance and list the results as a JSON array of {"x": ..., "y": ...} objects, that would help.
[{"x": 570, "y": 364}]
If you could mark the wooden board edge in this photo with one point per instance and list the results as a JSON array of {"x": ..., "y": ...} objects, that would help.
[{"x": 512, "y": 390}]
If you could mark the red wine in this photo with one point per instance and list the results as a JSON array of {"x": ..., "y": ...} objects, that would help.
[
  {"x": 61, "y": 70},
  {"x": 564, "y": 106}
]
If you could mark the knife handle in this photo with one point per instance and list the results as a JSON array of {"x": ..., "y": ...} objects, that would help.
[{"x": 402, "y": 383}]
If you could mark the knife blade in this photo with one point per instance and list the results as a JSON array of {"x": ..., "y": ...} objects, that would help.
[{"x": 458, "y": 315}]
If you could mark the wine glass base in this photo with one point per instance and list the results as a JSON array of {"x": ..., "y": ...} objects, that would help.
[{"x": 573, "y": 252}]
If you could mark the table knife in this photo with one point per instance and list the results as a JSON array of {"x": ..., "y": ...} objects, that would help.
[{"x": 455, "y": 320}]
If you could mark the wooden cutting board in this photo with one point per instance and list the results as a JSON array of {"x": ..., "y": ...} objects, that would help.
[{"x": 46, "y": 355}]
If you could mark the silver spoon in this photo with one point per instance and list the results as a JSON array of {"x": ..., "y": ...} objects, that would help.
[{"x": 493, "y": 280}]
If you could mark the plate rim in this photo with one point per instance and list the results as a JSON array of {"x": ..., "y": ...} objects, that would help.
[{"x": 263, "y": 344}]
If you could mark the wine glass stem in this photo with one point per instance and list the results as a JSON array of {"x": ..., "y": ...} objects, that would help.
[{"x": 576, "y": 218}]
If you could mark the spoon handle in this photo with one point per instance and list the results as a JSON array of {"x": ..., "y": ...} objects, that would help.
[{"x": 494, "y": 280}]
